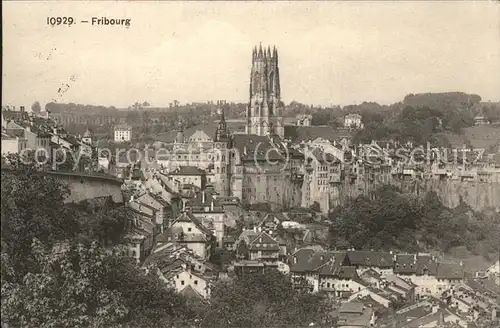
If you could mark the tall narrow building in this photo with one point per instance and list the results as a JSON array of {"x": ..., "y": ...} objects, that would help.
[{"x": 264, "y": 113}]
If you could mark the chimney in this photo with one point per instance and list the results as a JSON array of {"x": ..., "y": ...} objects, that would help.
[
  {"x": 212, "y": 206},
  {"x": 203, "y": 197},
  {"x": 295, "y": 260},
  {"x": 254, "y": 229},
  {"x": 435, "y": 308},
  {"x": 441, "y": 318}
]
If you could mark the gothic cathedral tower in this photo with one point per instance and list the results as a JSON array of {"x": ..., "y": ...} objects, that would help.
[{"x": 264, "y": 113}]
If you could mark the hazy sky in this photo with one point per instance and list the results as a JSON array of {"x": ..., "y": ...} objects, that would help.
[{"x": 330, "y": 52}]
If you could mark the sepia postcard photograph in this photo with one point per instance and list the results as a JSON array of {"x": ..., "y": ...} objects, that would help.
[{"x": 250, "y": 164}]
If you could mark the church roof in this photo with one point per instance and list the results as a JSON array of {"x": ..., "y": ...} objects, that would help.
[
  {"x": 209, "y": 129},
  {"x": 254, "y": 147},
  {"x": 188, "y": 170},
  {"x": 306, "y": 133}
]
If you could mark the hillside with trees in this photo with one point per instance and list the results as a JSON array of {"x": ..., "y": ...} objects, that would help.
[
  {"x": 390, "y": 220},
  {"x": 62, "y": 266},
  {"x": 265, "y": 300},
  {"x": 55, "y": 270}
]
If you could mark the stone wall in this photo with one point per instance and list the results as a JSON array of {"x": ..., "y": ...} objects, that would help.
[{"x": 87, "y": 186}]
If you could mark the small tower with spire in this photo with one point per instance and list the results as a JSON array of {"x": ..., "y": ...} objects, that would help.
[
  {"x": 179, "y": 137},
  {"x": 221, "y": 134},
  {"x": 222, "y": 158},
  {"x": 88, "y": 137}
]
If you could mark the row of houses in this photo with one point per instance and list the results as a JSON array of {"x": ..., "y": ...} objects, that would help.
[{"x": 38, "y": 134}]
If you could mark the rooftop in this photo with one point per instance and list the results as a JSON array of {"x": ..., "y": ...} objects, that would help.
[{"x": 188, "y": 170}]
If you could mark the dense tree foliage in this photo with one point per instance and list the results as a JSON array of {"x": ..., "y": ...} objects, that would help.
[
  {"x": 64, "y": 289},
  {"x": 36, "y": 108},
  {"x": 76, "y": 285},
  {"x": 391, "y": 220},
  {"x": 264, "y": 300},
  {"x": 32, "y": 207},
  {"x": 418, "y": 125},
  {"x": 55, "y": 271}
]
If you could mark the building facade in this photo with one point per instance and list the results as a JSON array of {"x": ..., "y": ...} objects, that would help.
[{"x": 123, "y": 133}]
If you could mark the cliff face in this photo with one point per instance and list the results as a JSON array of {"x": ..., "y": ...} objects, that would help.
[{"x": 478, "y": 195}]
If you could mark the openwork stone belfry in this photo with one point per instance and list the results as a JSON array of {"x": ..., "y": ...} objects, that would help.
[{"x": 264, "y": 113}]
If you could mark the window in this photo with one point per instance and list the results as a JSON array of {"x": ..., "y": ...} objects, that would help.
[
  {"x": 189, "y": 229},
  {"x": 196, "y": 282},
  {"x": 182, "y": 282}
]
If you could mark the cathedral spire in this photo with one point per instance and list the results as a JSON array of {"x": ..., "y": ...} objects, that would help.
[{"x": 265, "y": 107}]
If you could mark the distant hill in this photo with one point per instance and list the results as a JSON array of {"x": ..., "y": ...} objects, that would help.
[
  {"x": 483, "y": 137},
  {"x": 442, "y": 101}
]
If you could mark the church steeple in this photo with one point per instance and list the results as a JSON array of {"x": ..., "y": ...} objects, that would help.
[
  {"x": 222, "y": 134},
  {"x": 264, "y": 112},
  {"x": 179, "y": 138}
]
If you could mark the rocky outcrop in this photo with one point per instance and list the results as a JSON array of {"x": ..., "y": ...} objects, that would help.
[{"x": 478, "y": 195}]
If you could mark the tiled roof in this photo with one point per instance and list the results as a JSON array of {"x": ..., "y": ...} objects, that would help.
[
  {"x": 405, "y": 263},
  {"x": 12, "y": 133},
  {"x": 11, "y": 115},
  {"x": 140, "y": 213},
  {"x": 123, "y": 127},
  {"x": 426, "y": 264},
  {"x": 371, "y": 273},
  {"x": 189, "y": 217},
  {"x": 351, "y": 307},
  {"x": 450, "y": 271},
  {"x": 309, "y": 260},
  {"x": 270, "y": 218},
  {"x": 228, "y": 200},
  {"x": 262, "y": 239},
  {"x": 247, "y": 235},
  {"x": 188, "y": 170},
  {"x": 371, "y": 258},
  {"x": 159, "y": 199},
  {"x": 324, "y": 157},
  {"x": 347, "y": 272},
  {"x": 209, "y": 129},
  {"x": 334, "y": 266},
  {"x": 190, "y": 293},
  {"x": 254, "y": 147},
  {"x": 171, "y": 264},
  {"x": 306, "y": 133}
]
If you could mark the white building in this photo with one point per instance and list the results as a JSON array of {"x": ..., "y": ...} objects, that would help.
[
  {"x": 13, "y": 141},
  {"x": 123, "y": 133},
  {"x": 304, "y": 120},
  {"x": 353, "y": 121}
]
